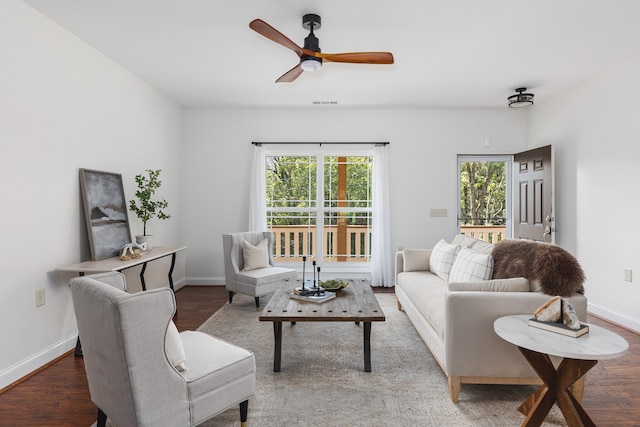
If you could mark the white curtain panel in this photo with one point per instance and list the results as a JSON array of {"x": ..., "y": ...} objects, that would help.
[
  {"x": 381, "y": 254},
  {"x": 258, "y": 192}
]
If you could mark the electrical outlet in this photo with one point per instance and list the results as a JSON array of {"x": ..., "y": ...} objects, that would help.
[
  {"x": 39, "y": 297},
  {"x": 627, "y": 275}
]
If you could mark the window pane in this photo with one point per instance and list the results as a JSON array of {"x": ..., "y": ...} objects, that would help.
[
  {"x": 347, "y": 236},
  {"x": 347, "y": 203},
  {"x": 291, "y": 202},
  {"x": 291, "y": 181},
  {"x": 347, "y": 181},
  {"x": 296, "y": 239},
  {"x": 482, "y": 193},
  {"x": 344, "y": 232},
  {"x": 483, "y": 199}
]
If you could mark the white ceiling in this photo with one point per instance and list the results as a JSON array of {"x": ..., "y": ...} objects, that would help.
[{"x": 448, "y": 53}]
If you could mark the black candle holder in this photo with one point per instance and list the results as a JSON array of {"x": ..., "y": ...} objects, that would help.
[
  {"x": 315, "y": 289},
  {"x": 304, "y": 262},
  {"x": 319, "y": 290}
]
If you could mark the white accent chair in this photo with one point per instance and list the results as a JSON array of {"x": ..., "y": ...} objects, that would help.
[
  {"x": 127, "y": 362},
  {"x": 258, "y": 282}
]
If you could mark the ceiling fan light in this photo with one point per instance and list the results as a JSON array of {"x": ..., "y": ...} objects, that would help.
[
  {"x": 311, "y": 64},
  {"x": 521, "y": 99}
]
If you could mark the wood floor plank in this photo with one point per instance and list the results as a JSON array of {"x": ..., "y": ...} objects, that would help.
[{"x": 59, "y": 394}]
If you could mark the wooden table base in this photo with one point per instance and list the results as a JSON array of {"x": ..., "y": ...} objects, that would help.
[
  {"x": 277, "y": 349},
  {"x": 557, "y": 388}
]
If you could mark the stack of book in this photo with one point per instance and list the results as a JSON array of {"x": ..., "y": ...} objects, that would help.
[
  {"x": 559, "y": 328},
  {"x": 311, "y": 295}
]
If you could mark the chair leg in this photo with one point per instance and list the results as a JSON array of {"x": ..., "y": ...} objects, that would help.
[
  {"x": 257, "y": 302},
  {"x": 230, "y": 296},
  {"x": 102, "y": 418},
  {"x": 244, "y": 410}
]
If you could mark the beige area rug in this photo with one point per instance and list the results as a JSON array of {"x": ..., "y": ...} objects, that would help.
[{"x": 322, "y": 382}]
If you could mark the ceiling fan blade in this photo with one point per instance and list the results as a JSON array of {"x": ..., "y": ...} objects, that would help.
[
  {"x": 290, "y": 75},
  {"x": 354, "y": 57},
  {"x": 266, "y": 30}
]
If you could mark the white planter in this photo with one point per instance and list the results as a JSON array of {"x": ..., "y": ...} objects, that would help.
[{"x": 145, "y": 239}]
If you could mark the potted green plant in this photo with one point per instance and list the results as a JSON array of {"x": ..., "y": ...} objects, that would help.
[{"x": 145, "y": 207}]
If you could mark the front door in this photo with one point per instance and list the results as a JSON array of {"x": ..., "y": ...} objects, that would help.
[{"x": 533, "y": 195}]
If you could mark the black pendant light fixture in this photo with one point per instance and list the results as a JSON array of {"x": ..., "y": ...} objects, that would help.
[{"x": 521, "y": 99}]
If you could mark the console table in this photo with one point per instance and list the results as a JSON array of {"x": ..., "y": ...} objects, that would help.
[
  {"x": 579, "y": 356},
  {"x": 115, "y": 264}
]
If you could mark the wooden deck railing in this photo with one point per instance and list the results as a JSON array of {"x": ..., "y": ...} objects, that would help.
[
  {"x": 488, "y": 233},
  {"x": 291, "y": 242}
]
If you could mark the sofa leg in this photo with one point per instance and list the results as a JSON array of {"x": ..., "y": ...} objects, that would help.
[
  {"x": 454, "y": 388},
  {"x": 102, "y": 418},
  {"x": 244, "y": 410},
  {"x": 230, "y": 297},
  {"x": 399, "y": 305},
  {"x": 257, "y": 303}
]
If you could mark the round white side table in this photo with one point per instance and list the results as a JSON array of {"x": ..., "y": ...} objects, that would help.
[{"x": 579, "y": 356}]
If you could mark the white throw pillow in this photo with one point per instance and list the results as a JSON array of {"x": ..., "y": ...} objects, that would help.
[
  {"x": 174, "y": 348},
  {"x": 415, "y": 259},
  {"x": 255, "y": 256},
  {"x": 470, "y": 266},
  {"x": 442, "y": 258}
]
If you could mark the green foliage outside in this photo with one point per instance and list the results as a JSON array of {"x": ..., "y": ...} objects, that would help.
[
  {"x": 291, "y": 183},
  {"x": 483, "y": 193}
]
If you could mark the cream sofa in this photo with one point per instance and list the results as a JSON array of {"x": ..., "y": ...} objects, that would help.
[{"x": 455, "y": 317}]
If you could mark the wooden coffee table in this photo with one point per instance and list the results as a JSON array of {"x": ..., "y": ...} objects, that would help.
[{"x": 356, "y": 303}]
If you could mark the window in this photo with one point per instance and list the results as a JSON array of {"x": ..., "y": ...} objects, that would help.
[
  {"x": 331, "y": 216},
  {"x": 484, "y": 202}
]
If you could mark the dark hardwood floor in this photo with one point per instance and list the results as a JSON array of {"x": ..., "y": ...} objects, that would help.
[{"x": 58, "y": 395}]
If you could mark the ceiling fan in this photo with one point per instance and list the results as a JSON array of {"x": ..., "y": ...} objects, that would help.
[{"x": 310, "y": 55}]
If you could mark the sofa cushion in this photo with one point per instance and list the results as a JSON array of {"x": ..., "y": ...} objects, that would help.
[
  {"x": 516, "y": 284},
  {"x": 255, "y": 256},
  {"x": 426, "y": 291},
  {"x": 482, "y": 247},
  {"x": 205, "y": 372},
  {"x": 476, "y": 245},
  {"x": 464, "y": 241},
  {"x": 416, "y": 259},
  {"x": 442, "y": 257},
  {"x": 470, "y": 266}
]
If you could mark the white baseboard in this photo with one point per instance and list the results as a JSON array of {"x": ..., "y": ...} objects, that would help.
[
  {"x": 205, "y": 281},
  {"x": 36, "y": 361},
  {"x": 614, "y": 317}
]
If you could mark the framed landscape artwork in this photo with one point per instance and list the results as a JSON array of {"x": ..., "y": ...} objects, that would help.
[{"x": 105, "y": 212}]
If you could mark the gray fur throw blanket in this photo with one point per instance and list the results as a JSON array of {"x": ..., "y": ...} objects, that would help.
[{"x": 549, "y": 268}]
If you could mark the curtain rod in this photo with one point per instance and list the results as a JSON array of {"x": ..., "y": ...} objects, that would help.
[{"x": 320, "y": 143}]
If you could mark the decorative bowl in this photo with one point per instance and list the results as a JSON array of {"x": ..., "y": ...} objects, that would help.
[{"x": 334, "y": 285}]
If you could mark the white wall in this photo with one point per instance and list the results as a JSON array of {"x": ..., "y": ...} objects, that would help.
[
  {"x": 422, "y": 155},
  {"x": 64, "y": 106},
  {"x": 595, "y": 128}
]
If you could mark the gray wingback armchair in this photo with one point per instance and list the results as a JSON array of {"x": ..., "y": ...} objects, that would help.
[
  {"x": 133, "y": 378},
  {"x": 258, "y": 282}
]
